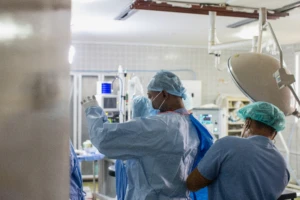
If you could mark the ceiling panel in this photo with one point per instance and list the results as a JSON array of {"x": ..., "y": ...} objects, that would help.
[{"x": 94, "y": 21}]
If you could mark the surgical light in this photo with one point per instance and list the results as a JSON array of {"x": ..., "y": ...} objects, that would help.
[
  {"x": 253, "y": 74},
  {"x": 261, "y": 77}
]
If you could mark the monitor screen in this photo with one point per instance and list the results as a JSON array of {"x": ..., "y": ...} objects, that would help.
[
  {"x": 205, "y": 118},
  {"x": 109, "y": 102}
]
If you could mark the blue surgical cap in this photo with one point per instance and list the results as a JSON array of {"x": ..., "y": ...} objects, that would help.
[
  {"x": 264, "y": 112},
  {"x": 165, "y": 80},
  {"x": 140, "y": 106}
]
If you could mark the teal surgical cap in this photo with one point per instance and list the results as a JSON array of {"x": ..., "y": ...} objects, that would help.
[
  {"x": 140, "y": 106},
  {"x": 264, "y": 112},
  {"x": 168, "y": 81}
]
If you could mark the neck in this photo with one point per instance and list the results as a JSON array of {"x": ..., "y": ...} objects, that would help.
[
  {"x": 173, "y": 104},
  {"x": 268, "y": 135},
  {"x": 171, "y": 108}
]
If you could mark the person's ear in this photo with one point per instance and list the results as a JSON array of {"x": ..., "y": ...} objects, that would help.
[
  {"x": 248, "y": 123},
  {"x": 274, "y": 135}
]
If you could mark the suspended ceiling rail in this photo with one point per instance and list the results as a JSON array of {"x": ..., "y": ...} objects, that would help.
[{"x": 202, "y": 9}]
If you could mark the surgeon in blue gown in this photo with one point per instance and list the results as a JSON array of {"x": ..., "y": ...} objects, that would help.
[
  {"x": 76, "y": 186},
  {"x": 141, "y": 107},
  {"x": 163, "y": 149}
]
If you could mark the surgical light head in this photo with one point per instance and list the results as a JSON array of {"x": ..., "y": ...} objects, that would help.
[
  {"x": 264, "y": 112},
  {"x": 264, "y": 87},
  {"x": 168, "y": 81}
]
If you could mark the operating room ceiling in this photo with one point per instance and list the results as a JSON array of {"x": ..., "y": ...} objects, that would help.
[{"x": 94, "y": 21}]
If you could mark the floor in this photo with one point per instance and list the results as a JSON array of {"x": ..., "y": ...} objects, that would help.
[{"x": 88, "y": 188}]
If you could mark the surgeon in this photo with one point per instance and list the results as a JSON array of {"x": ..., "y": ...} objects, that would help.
[
  {"x": 248, "y": 168},
  {"x": 163, "y": 148},
  {"x": 140, "y": 108}
]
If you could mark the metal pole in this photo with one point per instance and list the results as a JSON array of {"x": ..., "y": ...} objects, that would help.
[
  {"x": 79, "y": 112},
  {"x": 254, "y": 44},
  {"x": 94, "y": 178},
  {"x": 277, "y": 44},
  {"x": 212, "y": 31},
  {"x": 294, "y": 93},
  {"x": 230, "y": 44},
  {"x": 262, "y": 22},
  {"x": 285, "y": 147}
]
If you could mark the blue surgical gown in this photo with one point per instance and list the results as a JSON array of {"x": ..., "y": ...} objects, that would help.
[
  {"x": 159, "y": 150},
  {"x": 76, "y": 188},
  {"x": 121, "y": 179}
]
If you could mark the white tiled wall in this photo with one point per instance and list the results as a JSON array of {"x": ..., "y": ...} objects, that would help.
[{"x": 186, "y": 62}]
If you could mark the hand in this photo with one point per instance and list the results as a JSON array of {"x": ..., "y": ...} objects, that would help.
[{"x": 89, "y": 101}]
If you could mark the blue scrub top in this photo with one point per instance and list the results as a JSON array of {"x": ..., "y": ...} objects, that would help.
[{"x": 244, "y": 168}]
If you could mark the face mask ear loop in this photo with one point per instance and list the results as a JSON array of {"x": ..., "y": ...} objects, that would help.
[
  {"x": 274, "y": 141},
  {"x": 162, "y": 104},
  {"x": 156, "y": 96}
]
